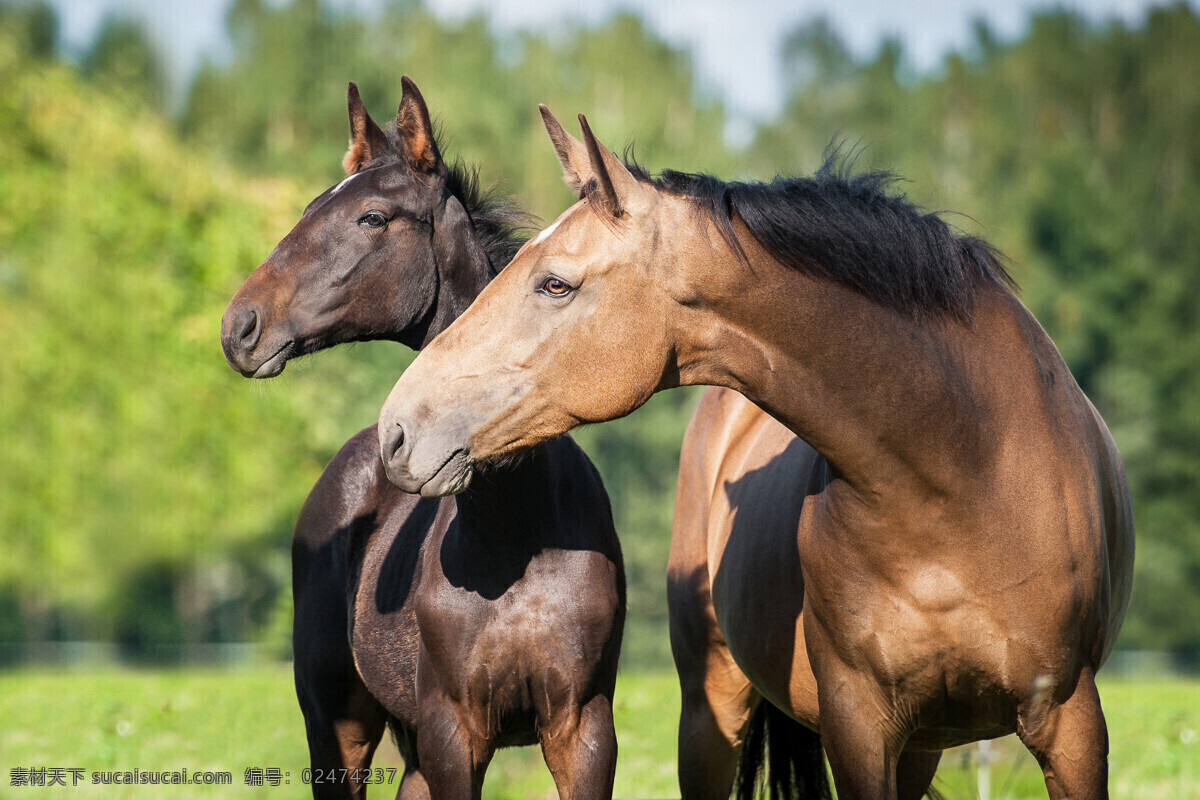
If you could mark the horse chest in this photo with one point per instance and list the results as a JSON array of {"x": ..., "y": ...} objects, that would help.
[
  {"x": 506, "y": 644},
  {"x": 940, "y": 652}
]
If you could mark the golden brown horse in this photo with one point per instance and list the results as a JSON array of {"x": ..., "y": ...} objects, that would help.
[{"x": 966, "y": 537}]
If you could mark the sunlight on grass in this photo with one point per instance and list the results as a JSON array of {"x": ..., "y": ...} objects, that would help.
[{"x": 231, "y": 720}]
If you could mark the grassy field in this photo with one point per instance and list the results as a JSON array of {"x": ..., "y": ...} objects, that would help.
[{"x": 231, "y": 720}]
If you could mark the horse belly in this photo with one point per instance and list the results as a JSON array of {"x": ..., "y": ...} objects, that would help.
[
  {"x": 385, "y": 655},
  {"x": 757, "y": 578},
  {"x": 764, "y": 631},
  {"x": 750, "y": 476},
  {"x": 384, "y": 577}
]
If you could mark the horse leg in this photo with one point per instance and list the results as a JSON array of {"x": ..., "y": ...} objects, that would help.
[
  {"x": 914, "y": 773},
  {"x": 713, "y": 716},
  {"x": 580, "y": 750},
  {"x": 717, "y": 698},
  {"x": 344, "y": 724},
  {"x": 453, "y": 760},
  {"x": 413, "y": 786},
  {"x": 862, "y": 756},
  {"x": 343, "y": 721},
  {"x": 412, "y": 782},
  {"x": 1070, "y": 742}
]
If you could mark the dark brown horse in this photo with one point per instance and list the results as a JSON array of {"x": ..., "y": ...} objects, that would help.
[
  {"x": 965, "y": 542},
  {"x": 470, "y": 623}
]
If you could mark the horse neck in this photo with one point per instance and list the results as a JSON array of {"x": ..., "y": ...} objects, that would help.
[
  {"x": 891, "y": 403},
  {"x": 462, "y": 269},
  {"x": 509, "y": 507}
]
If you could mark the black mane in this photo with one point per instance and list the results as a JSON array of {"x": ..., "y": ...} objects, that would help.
[
  {"x": 502, "y": 225},
  {"x": 851, "y": 229}
]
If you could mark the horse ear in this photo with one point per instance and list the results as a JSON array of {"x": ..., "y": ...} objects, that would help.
[
  {"x": 416, "y": 130},
  {"x": 366, "y": 138},
  {"x": 613, "y": 178},
  {"x": 572, "y": 153}
]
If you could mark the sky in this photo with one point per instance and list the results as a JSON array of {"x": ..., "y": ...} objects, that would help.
[{"x": 737, "y": 54}]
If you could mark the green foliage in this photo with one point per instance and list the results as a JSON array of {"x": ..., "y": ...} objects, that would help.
[
  {"x": 123, "y": 57},
  {"x": 33, "y": 27},
  {"x": 279, "y": 104},
  {"x": 136, "y": 469}
]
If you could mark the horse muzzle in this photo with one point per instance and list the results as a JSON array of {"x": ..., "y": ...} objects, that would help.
[
  {"x": 430, "y": 466},
  {"x": 243, "y": 343}
]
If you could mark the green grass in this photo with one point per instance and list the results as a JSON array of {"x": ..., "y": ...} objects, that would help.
[
  {"x": 1154, "y": 748},
  {"x": 228, "y": 720}
]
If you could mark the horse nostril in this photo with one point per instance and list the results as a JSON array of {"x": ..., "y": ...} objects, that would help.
[
  {"x": 247, "y": 328},
  {"x": 393, "y": 443}
]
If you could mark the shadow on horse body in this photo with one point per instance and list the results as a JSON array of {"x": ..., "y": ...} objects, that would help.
[
  {"x": 468, "y": 623},
  {"x": 740, "y": 651},
  {"x": 967, "y": 555}
]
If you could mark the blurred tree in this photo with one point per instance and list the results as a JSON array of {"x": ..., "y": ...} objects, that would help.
[
  {"x": 33, "y": 27},
  {"x": 123, "y": 59},
  {"x": 131, "y": 450},
  {"x": 278, "y": 105},
  {"x": 273, "y": 107}
]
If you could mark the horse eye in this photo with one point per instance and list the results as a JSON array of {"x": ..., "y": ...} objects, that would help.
[
  {"x": 556, "y": 287},
  {"x": 373, "y": 219}
]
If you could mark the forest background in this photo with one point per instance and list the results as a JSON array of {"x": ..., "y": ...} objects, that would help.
[{"x": 147, "y": 492}]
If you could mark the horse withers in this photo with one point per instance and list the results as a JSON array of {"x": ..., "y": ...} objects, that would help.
[
  {"x": 965, "y": 542},
  {"x": 486, "y": 620}
]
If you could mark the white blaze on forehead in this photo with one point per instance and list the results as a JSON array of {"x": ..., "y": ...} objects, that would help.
[
  {"x": 338, "y": 188},
  {"x": 541, "y": 237}
]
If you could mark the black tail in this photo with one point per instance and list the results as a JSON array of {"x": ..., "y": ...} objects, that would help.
[
  {"x": 781, "y": 759},
  {"x": 405, "y": 740}
]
